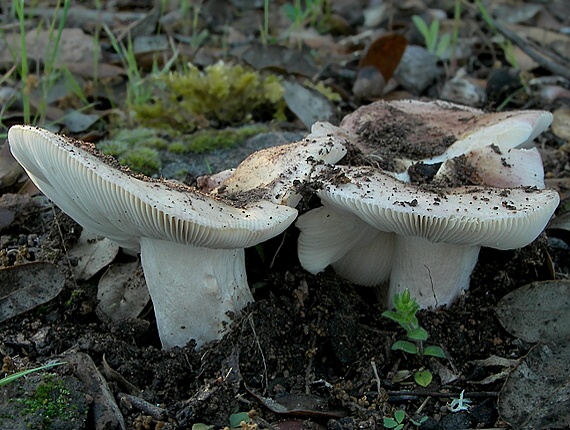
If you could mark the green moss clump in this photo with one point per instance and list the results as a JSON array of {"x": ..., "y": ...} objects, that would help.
[
  {"x": 137, "y": 148},
  {"x": 142, "y": 159},
  {"x": 51, "y": 401},
  {"x": 221, "y": 95},
  {"x": 210, "y": 140}
]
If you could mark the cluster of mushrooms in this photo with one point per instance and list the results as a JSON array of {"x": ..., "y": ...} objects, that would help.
[{"x": 377, "y": 224}]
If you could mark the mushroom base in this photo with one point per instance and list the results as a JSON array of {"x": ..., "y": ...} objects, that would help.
[
  {"x": 194, "y": 290},
  {"x": 434, "y": 273}
]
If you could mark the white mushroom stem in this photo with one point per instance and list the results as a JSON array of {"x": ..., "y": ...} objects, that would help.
[
  {"x": 435, "y": 273},
  {"x": 197, "y": 299}
]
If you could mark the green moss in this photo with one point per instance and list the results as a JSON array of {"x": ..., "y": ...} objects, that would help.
[
  {"x": 142, "y": 159},
  {"x": 220, "y": 95},
  {"x": 328, "y": 92},
  {"x": 50, "y": 401},
  {"x": 137, "y": 148},
  {"x": 211, "y": 139}
]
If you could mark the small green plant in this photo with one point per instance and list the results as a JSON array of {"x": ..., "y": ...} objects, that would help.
[
  {"x": 505, "y": 44},
  {"x": 10, "y": 378},
  {"x": 406, "y": 308},
  {"x": 435, "y": 43},
  {"x": 396, "y": 423}
]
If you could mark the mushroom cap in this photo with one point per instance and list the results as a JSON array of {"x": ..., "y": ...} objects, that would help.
[
  {"x": 112, "y": 202},
  {"x": 435, "y": 131},
  {"x": 277, "y": 169},
  {"x": 471, "y": 215},
  {"x": 492, "y": 167}
]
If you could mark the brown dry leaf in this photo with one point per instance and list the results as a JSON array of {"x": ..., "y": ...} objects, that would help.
[
  {"x": 536, "y": 394},
  {"x": 555, "y": 41},
  {"x": 93, "y": 253},
  {"x": 385, "y": 54},
  {"x": 122, "y": 292},
  {"x": 75, "y": 47}
]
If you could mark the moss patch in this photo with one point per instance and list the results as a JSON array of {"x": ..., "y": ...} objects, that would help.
[
  {"x": 210, "y": 140},
  {"x": 218, "y": 96},
  {"x": 46, "y": 401}
]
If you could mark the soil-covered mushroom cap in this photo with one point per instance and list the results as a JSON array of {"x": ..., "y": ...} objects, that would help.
[
  {"x": 191, "y": 243},
  {"x": 486, "y": 216},
  {"x": 278, "y": 170},
  {"x": 408, "y": 131},
  {"x": 426, "y": 241}
]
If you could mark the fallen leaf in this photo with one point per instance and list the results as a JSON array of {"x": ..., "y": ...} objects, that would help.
[
  {"x": 385, "y": 54},
  {"x": 308, "y": 105},
  {"x": 75, "y": 46},
  {"x": 536, "y": 394},
  {"x": 25, "y": 286},
  {"x": 122, "y": 292},
  {"x": 93, "y": 253},
  {"x": 537, "y": 311}
]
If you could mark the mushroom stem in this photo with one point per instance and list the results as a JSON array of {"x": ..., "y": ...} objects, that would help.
[
  {"x": 435, "y": 273},
  {"x": 195, "y": 300}
]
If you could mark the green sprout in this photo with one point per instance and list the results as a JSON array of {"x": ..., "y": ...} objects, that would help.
[
  {"x": 406, "y": 308},
  {"x": 10, "y": 378},
  {"x": 435, "y": 43},
  {"x": 396, "y": 423}
]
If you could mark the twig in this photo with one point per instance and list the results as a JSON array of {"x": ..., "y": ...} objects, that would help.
[
  {"x": 533, "y": 52},
  {"x": 400, "y": 396}
]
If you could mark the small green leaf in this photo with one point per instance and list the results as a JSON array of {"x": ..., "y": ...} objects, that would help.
[
  {"x": 394, "y": 316},
  {"x": 423, "y": 378},
  {"x": 202, "y": 426},
  {"x": 418, "y": 423},
  {"x": 442, "y": 45},
  {"x": 236, "y": 419},
  {"x": 421, "y": 26},
  {"x": 417, "y": 334},
  {"x": 399, "y": 415},
  {"x": 434, "y": 351},
  {"x": 403, "y": 345}
]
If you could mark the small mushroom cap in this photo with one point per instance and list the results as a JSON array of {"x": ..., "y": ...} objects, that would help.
[
  {"x": 486, "y": 216},
  {"x": 114, "y": 203},
  {"x": 494, "y": 168},
  {"x": 276, "y": 170}
]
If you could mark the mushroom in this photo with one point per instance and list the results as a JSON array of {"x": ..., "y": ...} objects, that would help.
[
  {"x": 280, "y": 169},
  {"x": 405, "y": 132},
  {"x": 490, "y": 166},
  {"x": 373, "y": 227},
  {"x": 191, "y": 243}
]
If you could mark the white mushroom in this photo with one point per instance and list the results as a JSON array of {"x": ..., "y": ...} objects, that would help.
[
  {"x": 279, "y": 169},
  {"x": 191, "y": 244},
  {"x": 405, "y": 132},
  {"x": 427, "y": 241},
  {"x": 490, "y": 166}
]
